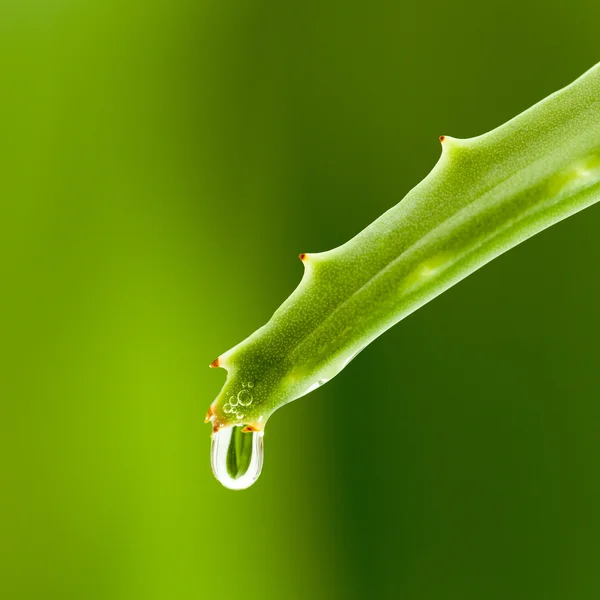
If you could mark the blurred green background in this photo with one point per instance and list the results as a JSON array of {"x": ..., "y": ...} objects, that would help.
[{"x": 162, "y": 165}]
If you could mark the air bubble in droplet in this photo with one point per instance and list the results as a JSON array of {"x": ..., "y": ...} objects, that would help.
[
  {"x": 239, "y": 416},
  {"x": 237, "y": 457},
  {"x": 233, "y": 400},
  {"x": 244, "y": 398},
  {"x": 250, "y": 384},
  {"x": 227, "y": 408}
]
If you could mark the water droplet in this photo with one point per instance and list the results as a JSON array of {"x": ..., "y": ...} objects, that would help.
[
  {"x": 239, "y": 416},
  {"x": 244, "y": 398},
  {"x": 250, "y": 384},
  {"x": 233, "y": 400},
  {"x": 227, "y": 408},
  {"x": 316, "y": 385},
  {"x": 244, "y": 384},
  {"x": 236, "y": 457}
]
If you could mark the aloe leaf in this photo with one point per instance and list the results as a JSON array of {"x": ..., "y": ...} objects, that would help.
[{"x": 485, "y": 195}]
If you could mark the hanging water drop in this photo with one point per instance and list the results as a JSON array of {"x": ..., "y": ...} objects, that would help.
[{"x": 236, "y": 457}]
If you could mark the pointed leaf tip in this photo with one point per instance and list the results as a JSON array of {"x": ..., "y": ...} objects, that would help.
[{"x": 214, "y": 364}]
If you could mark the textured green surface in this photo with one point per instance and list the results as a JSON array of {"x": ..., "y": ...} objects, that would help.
[
  {"x": 484, "y": 196},
  {"x": 163, "y": 165}
]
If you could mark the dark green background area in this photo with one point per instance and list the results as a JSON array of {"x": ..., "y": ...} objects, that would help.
[{"x": 162, "y": 165}]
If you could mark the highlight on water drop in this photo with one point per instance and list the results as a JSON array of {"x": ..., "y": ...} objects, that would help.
[{"x": 237, "y": 457}]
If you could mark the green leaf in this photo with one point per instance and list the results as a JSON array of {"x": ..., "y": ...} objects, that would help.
[{"x": 484, "y": 196}]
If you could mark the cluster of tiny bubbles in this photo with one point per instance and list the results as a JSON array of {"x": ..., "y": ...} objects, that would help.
[{"x": 243, "y": 398}]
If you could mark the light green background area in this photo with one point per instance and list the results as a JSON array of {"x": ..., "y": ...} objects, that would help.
[{"x": 162, "y": 165}]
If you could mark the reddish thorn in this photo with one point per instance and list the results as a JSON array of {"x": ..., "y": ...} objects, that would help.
[
  {"x": 214, "y": 364},
  {"x": 442, "y": 138},
  {"x": 303, "y": 256},
  {"x": 209, "y": 414},
  {"x": 249, "y": 429}
]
